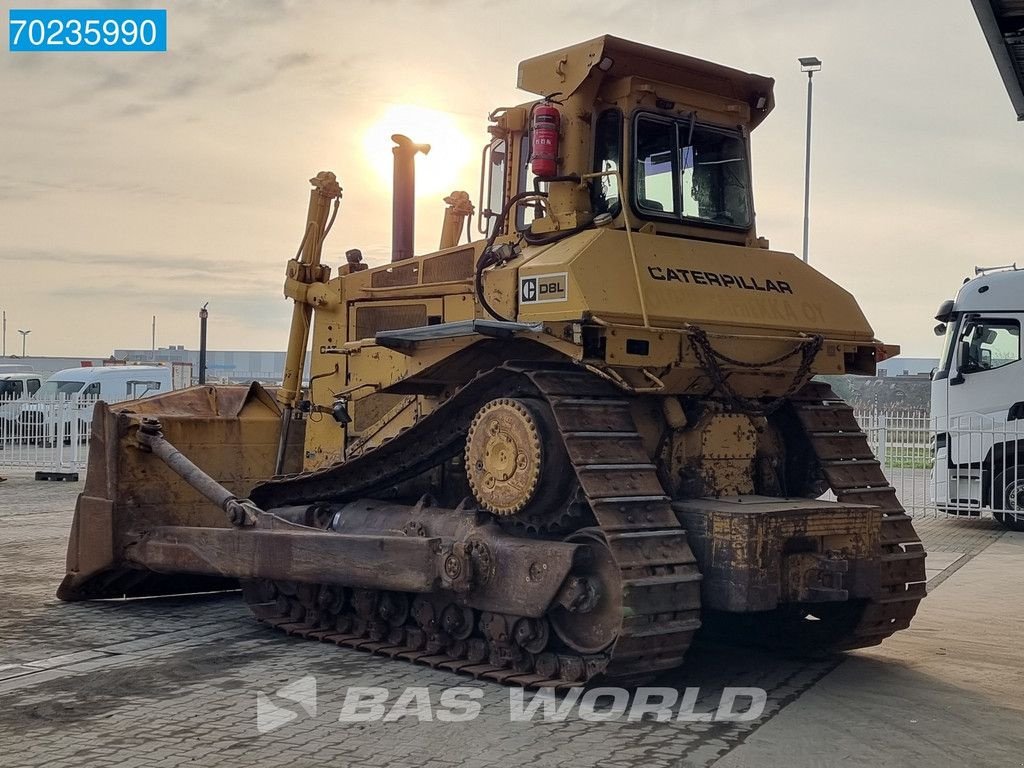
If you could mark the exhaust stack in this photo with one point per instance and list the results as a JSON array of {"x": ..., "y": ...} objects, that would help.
[{"x": 403, "y": 217}]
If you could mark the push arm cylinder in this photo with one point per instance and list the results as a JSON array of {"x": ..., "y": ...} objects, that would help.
[
  {"x": 240, "y": 512},
  {"x": 306, "y": 269}
]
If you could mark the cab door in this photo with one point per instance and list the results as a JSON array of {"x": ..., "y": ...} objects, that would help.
[{"x": 986, "y": 385}]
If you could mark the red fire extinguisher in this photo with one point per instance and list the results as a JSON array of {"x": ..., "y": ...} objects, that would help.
[{"x": 546, "y": 120}]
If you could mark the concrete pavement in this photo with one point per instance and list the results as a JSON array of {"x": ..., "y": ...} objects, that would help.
[
  {"x": 177, "y": 682},
  {"x": 947, "y": 692}
]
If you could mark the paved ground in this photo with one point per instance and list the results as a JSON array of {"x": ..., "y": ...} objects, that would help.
[{"x": 176, "y": 682}]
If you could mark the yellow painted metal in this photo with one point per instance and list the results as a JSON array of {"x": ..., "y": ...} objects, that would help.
[
  {"x": 306, "y": 270},
  {"x": 460, "y": 208},
  {"x": 626, "y": 297}
]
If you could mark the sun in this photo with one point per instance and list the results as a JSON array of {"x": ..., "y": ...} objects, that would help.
[{"x": 439, "y": 171}]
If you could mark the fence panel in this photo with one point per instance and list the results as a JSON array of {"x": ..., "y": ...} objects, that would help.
[{"x": 50, "y": 436}]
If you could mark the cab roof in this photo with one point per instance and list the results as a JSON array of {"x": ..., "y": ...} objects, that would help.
[{"x": 565, "y": 70}]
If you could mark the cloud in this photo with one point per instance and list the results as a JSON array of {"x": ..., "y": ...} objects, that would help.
[{"x": 134, "y": 182}]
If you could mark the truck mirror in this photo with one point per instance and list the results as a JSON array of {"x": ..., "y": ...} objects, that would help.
[{"x": 940, "y": 329}]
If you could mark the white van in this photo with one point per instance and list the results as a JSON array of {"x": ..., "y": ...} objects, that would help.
[
  {"x": 16, "y": 389},
  {"x": 68, "y": 397}
]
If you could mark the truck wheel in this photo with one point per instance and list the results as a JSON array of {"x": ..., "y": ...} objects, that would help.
[{"x": 1011, "y": 484}]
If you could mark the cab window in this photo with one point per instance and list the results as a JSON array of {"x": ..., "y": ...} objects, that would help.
[
  {"x": 92, "y": 391},
  {"x": 493, "y": 178},
  {"x": 528, "y": 212},
  {"x": 604, "y": 190},
  {"x": 990, "y": 344},
  {"x": 33, "y": 386},
  {"x": 690, "y": 172},
  {"x": 11, "y": 389},
  {"x": 137, "y": 389}
]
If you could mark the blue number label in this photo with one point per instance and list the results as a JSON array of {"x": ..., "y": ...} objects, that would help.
[{"x": 87, "y": 30}]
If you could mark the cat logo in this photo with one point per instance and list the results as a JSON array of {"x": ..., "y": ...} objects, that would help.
[{"x": 539, "y": 289}]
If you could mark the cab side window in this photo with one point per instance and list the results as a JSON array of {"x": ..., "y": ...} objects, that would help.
[
  {"x": 33, "y": 386},
  {"x": 990, "y": 344},
  {"x": 495, "y": 163},
  {"x": 138, "y": 389},
  {"x": 92, "y": 391},
  {"x": 604, "y": 190}
]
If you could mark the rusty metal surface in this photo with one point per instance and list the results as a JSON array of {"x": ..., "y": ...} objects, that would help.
[
  {"x": 759, "y": 552},
  {"x": 230, "y": 432},
  {"x": 372, "y": 562},
  {"x": 650, "y": 583}
]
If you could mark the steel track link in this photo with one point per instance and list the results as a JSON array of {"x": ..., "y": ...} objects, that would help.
[
  {"x": 660, "y": 581},
  {"x": 856, "y": 477}
]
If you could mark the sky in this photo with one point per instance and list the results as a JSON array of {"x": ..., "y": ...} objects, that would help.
[{"x": 134, "y": 185}]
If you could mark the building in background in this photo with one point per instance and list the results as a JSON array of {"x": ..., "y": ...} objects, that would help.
[
  {"x": 226, "y": 366},
  {"x": 907, "y": 366},
  {"x": 50, "y": 365}
]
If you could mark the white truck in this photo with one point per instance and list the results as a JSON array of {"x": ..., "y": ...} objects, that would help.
[
  {"x": 978, "y": 399},
  {"x": 64, "y": 404}
]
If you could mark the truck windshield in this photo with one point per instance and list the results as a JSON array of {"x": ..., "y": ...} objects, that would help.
[
  {"x": 52, "y": 390},
  {"x": 690, "y": 172}
]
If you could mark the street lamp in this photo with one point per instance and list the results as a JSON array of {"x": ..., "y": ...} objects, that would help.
[
  {"x": 23, "y": 335},
  {"x": 810, "y": 65}
]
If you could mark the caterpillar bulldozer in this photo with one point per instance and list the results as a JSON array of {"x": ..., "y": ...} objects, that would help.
[{"x": 550, "y": 454}]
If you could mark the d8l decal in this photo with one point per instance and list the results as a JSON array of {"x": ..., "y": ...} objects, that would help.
[{"x": 538, "y": 289}]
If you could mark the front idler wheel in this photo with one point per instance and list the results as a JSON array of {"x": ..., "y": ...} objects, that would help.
[{"x": 588, "y": 617}]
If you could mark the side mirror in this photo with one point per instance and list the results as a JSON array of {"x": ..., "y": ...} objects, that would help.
[
  {"x": 940, "y": 329},
  {"x": 945, "y": 311}
]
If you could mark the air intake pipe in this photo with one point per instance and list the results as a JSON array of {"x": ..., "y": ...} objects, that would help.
[{"x": 403, "y": 217}]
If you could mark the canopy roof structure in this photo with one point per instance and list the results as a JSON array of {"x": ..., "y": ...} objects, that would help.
[{"x": 1002, "y": 21}]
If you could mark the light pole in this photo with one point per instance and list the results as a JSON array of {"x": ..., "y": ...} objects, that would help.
[
  {"x": 204, "y": 314},
  {"x": 23, "y": 335},
  {"x": 810, "y": 65}
]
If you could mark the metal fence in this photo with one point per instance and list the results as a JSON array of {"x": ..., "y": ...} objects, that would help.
[
  {"x": 966, "y": 466},
  {"x": 902, "y": 442},
  {"x": 48, "y": 436}
]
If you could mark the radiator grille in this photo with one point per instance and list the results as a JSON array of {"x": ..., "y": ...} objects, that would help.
[
  {"x": 402, "y": 274},
  {"x": 457, "y": 265},
  {"x": 369, "y": 320}
]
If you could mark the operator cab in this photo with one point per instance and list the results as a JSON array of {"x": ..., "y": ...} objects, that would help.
[{"x": 670, "y": 129}]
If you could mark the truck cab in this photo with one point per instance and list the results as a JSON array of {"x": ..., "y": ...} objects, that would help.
[{"x": 978, "y": 399}]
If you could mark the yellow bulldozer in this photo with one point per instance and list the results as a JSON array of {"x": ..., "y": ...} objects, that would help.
[{"x": 550, "y": 454}]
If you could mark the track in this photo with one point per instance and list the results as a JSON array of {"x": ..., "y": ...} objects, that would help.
[
  {"x": 856, "y": 477},
  {"x": 660, "y": 584},
  {"x": 657, "y": 604}
]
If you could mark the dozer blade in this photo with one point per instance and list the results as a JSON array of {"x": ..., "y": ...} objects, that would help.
[{"x": 231, "y": 432}]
